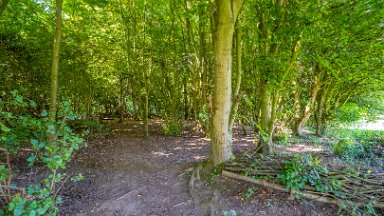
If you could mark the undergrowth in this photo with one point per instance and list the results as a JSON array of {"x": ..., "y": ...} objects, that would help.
[
  {"x": 26, "y": 130},
  {"x": 358, "y": 145}
]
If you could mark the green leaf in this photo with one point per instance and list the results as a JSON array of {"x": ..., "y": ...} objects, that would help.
[
  {"x": 41, "y": 210},
  {"x": 19, "y": 99},
  {"x": 32, "y": 213},
  {"x": 33, "y": 104},
  {"x": 31, "y": 159},
  {"x": 5, "y": 128},
  {"x": 44, "y": 113},
  {"x": 34, "y": 142}
]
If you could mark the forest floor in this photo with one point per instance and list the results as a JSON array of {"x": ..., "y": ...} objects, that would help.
[{"x": 127, "y": 174}]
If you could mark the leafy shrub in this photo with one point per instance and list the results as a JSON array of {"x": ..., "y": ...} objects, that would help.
[
  {"x": 349, "y": 113},
  {"x": 342, "y": 147},
  {"x": 349, "y": 149},
  {"x": 358, "y": 144},
  {"x": 360, "y": 135},
  {"x": 50, "y": 145},
  {"x": 95, "y": 126},
  {"x": 171, "y": 128},
  {"x": 282, "y": 138},
  {"x": 249, "y": 192},
  {"x": 305, "y": 170}
]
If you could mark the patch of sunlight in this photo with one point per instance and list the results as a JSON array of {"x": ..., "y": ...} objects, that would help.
[
  {"x": 161, "y": 154},
  {"x": 199, "y": 157},
  {"x": 121, "y": 130},
  {"x": 248, "y": 139},
  {"x": 204, "y": 139},
  {"x": 376, "y": 125},
  {"x": 300, "y": 148}
]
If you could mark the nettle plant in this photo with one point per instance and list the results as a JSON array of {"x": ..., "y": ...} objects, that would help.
[{"x": 48, "y": 146}]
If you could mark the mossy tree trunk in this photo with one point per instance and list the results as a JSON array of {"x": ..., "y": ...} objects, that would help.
[
  {"x": 226, "y": 12},
  {"x": 265, "y": 141},
  {"x": 55, "y": 63},
  {"x": 310, "y": 106},
  {"x": 236, "y": 94}
]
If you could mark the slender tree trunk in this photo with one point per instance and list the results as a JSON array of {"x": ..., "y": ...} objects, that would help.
[
  {"x": 236, "y": 94},
  {"x": 265, "y": 143},
  {"x": 274, "y": 110},
  {"x": 185, "y": 97},
  {"x": 202, "y": 56},
  {"x": 55, "y": 63},
  {"x": 310, "y": 106},
  {"x": 121, "y": 104},
  {"x": 145, "y": 76},
  {"x": 221, "y": 137},
  {"x": 320, "y": 114},
  {"x": 146, "y": 114},
  {"x": 3, "y": 5},
  {"x": 89, "y": 99}
]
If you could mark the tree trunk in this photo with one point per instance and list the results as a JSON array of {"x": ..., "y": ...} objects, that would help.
[
  {"x": 221, "y": 137},
  {"x": 265, "y": 142},
  {"x": 321, "y": 100},
  {"x": 55, "y": 63},
  {"x": 236, "y": 94},
  {"x": 146, "y": 77},
  {"x": 121, "y": 104},
  {"x": 310, "y": 106}
]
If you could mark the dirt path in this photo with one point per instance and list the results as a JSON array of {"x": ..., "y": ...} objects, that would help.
[{"x": 127, "y": 174}]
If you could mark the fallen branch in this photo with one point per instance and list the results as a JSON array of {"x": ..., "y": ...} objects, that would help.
[{"x": 307, "y": 195}]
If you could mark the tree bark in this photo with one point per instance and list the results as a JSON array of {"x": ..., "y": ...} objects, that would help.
[
  {"x": 121, "y": 102},
  {"x": 146, "y": 77},
  {"x": 310, "y": 106},
  {"x": 221, "y": 137},
  {"x": 320, "y": 114},
  {"x": 265, "y": 141},
  {"x": 55, "y": 63},
  {"x": 236, "y": 94}
]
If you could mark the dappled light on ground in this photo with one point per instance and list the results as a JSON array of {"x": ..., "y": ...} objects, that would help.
[
  {"x": 161, "y": 153},
  {"x": 376, "y": 125},
  {"x": 301, "y": 148}
]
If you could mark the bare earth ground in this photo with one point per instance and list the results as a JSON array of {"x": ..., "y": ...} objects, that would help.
[{"x": 126, "y": 174}]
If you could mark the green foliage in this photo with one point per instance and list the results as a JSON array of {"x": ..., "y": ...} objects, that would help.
[
  {"x": 43, "y": 204},
  {"x": 373, "y": 104},
  {"x": 361, "y": 135},
  {"x": 356, "y": 144},
  {"x": 203, "y": 119},
  {"x": 349, "y": 149},
  {"x": 52, "y": 145},
  {"x": 171, "y": 128},
  {"x": 349, "y": 113},
  {"x": 93, "y": 126},
  {"x": 282, "y": 138},
  {"x": 306, "y": 170},
  {"x": 229, "y": 213},
  {"x": 249, "y": 192}
]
